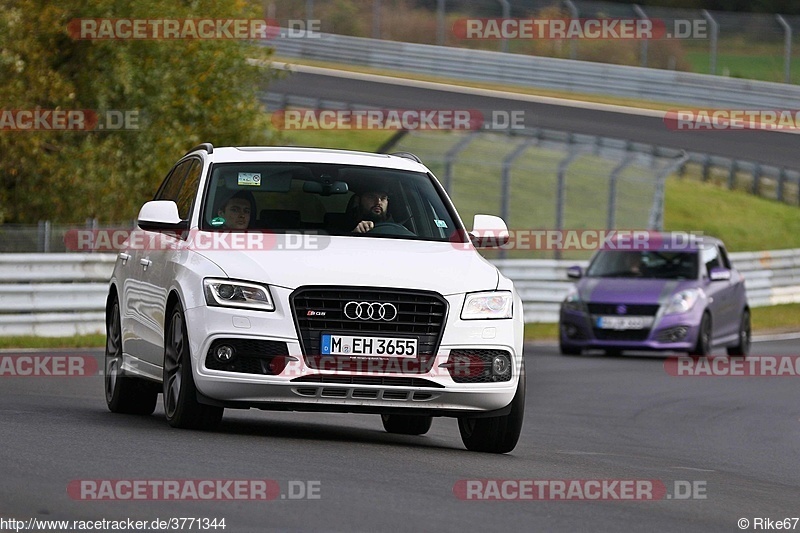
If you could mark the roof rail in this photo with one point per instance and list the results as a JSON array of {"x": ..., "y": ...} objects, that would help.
[
  {"x": 208, "y": 147},
  {"x": 407, "y": 155}
]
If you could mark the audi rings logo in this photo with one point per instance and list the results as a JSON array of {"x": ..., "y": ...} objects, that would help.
[{"x": 370, "y": 311}]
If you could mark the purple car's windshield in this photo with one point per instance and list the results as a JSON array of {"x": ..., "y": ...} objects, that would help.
[{"x": 644, "y": 264}]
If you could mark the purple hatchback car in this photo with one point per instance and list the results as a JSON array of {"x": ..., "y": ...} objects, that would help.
[{"x": 686, "y": 299}]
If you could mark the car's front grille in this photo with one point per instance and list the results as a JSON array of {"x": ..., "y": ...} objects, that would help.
[
  {"x": 250, "y": 356},
  {"x": 420, "y": 315},
  {"x": 632, "y": 335},
  {"x": 627, "y": 309}
]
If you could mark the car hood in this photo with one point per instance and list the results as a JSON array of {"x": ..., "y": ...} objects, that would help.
[
  {"x": 361, "y": 261},
  {"x": 630, "y": 291}
]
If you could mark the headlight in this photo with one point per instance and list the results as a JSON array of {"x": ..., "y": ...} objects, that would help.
[
  {"x": 683, "y": 301},
  {"x": 229, "y": 293},
  {"x": 573, "y": 302},
  {"x": 479, "y": 305}
]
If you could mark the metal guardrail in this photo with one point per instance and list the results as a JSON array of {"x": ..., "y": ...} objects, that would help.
[
  {"x": 768, "y": 181},
  {"x": 53, "y": 295},
  {"x": 543, "y": 72}
]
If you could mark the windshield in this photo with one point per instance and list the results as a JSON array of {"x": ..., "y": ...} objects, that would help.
[
  {"x": 326, "y": 199},
  {"x": 644, "y": 264}
]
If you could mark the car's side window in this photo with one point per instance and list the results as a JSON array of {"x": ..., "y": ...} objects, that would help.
[
  {"x": 710, "y": 258},
  {"x": 172, "y": 183},
  {"x": 724, "y": 256},
  {"x": 185, "y": 198}
]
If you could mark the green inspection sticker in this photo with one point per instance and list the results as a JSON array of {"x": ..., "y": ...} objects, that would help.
[{"x": 217, "y": 221}]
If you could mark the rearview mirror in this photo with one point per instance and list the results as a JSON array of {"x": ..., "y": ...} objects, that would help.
[{"x": 325, "y": 189}]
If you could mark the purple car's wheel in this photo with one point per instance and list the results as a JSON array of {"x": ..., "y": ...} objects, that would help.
[{"x": 703, "y": 345}]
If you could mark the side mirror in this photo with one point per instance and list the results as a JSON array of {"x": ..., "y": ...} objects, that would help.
[
  {"x": 489, "y": 231},
  {"x": 719, "y": 274},
  {"x": 575, "y": 272},
  {"x": 161, "y": 215}
]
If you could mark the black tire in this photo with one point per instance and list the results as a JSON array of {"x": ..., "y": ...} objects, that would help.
[
  {"x": 407, "y": 424},
  {"x": 180, "y": 394},
  {"x": 703, "y": 345},
  {"x": 497, "y": 434},
  {"x": 745, "y": 337},
  {"x": 124, "y": 394},
  {"x": 568, "y": 349}
]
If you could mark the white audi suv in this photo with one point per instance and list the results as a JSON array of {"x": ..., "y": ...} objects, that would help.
[{"x": 307, "y": 279}]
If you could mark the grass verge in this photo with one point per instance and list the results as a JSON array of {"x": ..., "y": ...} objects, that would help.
[{"x": 42, "y": 343}]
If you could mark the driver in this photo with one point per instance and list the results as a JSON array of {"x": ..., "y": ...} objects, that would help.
[{"x": 372, "y": 208}]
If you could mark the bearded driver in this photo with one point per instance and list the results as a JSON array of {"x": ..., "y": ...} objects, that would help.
[{"x": 373, "y": 208}]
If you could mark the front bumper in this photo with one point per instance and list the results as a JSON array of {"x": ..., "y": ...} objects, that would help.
[
  {"x": 361, "y": 387},
  {"x": 675, "y": 332}
]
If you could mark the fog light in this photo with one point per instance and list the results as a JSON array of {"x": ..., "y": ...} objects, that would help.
[
  {"x": 500, "y": 365},
  {"x": 571, "y": 330},
  {"x": 224, "y": 353}
]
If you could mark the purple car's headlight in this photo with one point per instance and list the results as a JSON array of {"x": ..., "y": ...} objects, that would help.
[
  {"x": 684, "y": 301},
  {"x": 573, "y": 301}
]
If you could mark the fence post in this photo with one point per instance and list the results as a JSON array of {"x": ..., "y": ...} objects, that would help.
[
  {"x": 657, "y": 210},
  {"x": 440, "y": 18},
  {"x": 575, "y": 14},
  {"x": 561, "y": 197},
  {"x": 505, "y": 198},
  {"x": 506, "y": 15},
  {"x": 611, "y": 221},
  {"x": 706, "y": 167},
  {"x": 309, "y": 10},
  {"x": 787, "y": 49},
  {"x": 44, "y": 236},
  {"x": 756, "y": 178},
  {"x": 781, "y": 181},
  {"x": 376, "y": 19},
  {"x": 643, "y": 47},
  {"x": 732, "y": 174},
  {"x": 449, "y": 159},
  {"x": 714, "y": 37}
]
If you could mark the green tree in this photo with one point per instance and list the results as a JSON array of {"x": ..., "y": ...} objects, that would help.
[{"x": 183, "y": 92}]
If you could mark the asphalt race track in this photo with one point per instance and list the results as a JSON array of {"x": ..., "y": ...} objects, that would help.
[
  {"x": 771, "y": 148},
  {"x": 734, "y": 440}
]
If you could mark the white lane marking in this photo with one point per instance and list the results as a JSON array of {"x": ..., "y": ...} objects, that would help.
[{"x": 776, "y": 337}]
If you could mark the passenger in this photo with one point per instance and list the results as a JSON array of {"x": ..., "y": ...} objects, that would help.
[{"x": 237, "y": 212}]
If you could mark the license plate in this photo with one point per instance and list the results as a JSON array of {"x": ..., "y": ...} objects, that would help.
[
  {"x": 369, "y": 346},
  {"x": 623, "y": 322}
]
